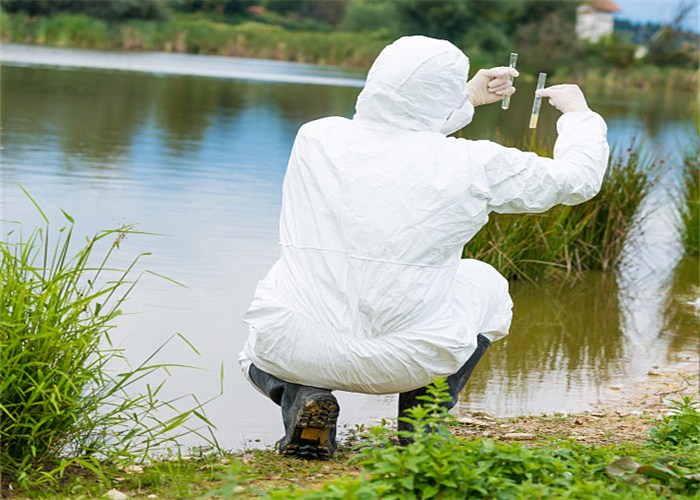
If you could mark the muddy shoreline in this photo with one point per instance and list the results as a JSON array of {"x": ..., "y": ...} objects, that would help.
[{"x": 624, "y": 415}]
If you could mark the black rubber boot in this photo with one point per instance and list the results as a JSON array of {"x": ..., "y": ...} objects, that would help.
[
  {"x": 309, "y": 415},
  {"x": 455, "y": 382}
]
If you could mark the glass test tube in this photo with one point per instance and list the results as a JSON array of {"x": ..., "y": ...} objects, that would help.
[
  {"x": 505, "y": 103},
  {"x": 538, "y": 101}
]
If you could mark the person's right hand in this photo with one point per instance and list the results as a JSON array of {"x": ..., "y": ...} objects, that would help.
[
  {"x": 490, "y": 85},
  {"x": 566, "y": 98}
]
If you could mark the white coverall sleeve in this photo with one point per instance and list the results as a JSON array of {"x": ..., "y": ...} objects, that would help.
[{"x": 521, "y": 182}]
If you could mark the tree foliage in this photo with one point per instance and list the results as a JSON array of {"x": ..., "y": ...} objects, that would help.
[{"x": 111, "y": 10}]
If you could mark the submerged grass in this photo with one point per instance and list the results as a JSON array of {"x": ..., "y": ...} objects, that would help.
[
  {"x": 689, "y": 203},
  {"x": 566, "y": 240},
  {"x": 62, "y": 405}
]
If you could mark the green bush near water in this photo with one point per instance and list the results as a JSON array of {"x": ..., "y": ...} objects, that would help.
[
  {"x": 567, "y": 240},
  {"x": 61, "y": 404}
]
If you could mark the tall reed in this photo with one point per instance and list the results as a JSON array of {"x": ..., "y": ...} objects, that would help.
[
  {"x": 567, "y": 240},
  {"x": 61, "y": 403}
]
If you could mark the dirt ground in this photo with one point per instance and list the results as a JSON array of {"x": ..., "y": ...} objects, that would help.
[{"x": 623, "y": 417}]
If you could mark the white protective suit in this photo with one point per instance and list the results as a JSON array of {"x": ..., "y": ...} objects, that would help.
[{"x": 370, "y": 294}]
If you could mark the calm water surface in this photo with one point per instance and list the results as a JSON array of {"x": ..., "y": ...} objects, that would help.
[{"x": 194, "y": 149}]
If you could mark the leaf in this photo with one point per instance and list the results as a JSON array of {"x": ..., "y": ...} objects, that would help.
[
  {"x": 70, "y": 219},
  {"x": 621, "y": 468},
  {"x": 658, "y": 471}
]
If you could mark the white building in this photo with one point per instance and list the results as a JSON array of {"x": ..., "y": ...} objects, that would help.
[{"x": 594, "y": 19}]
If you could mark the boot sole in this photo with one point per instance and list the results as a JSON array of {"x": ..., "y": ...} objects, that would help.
[{"x": 315, "y": 421}]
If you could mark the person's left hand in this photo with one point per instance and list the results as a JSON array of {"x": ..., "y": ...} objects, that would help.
[{"x": 490, "y": 85}]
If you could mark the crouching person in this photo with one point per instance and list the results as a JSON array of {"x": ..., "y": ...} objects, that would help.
[{"x": 370, "y": 293}]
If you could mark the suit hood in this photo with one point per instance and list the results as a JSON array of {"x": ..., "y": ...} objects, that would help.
[{"x": 416, "y": 83}]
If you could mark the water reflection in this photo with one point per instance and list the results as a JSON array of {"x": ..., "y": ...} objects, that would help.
[
  {"x": 682, "y": 308},
  {"x": 566, "y": 340},
  {"x": 202, "y": 161}
]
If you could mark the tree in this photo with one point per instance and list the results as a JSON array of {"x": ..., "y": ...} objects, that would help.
[
  {"x": 547, "y": 44},
  {"x": 666, "y": 47},
  {"x": 111, "y": 10}
]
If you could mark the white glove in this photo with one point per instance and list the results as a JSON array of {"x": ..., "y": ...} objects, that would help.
[
  {"x": 490, "y": 85},
  {"x": 566, "y": 98}
]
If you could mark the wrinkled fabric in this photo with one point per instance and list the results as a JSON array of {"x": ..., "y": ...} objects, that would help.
[{"x": 370, "y": 293}]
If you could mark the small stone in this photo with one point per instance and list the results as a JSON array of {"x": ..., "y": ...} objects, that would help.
[
  {"x": 614, "y": 387},
  {"x": 519, "y": 436},
  {"x": 239, "y": 489},
  {"x": 471, "y": 421},
  {"x": 116, "y": 495},
  {"x": 152, "y": 495},
  {"x": 598, "y": 415},
  {"x": 578, "y": 421},
  {"x": 653, "y": 372}
]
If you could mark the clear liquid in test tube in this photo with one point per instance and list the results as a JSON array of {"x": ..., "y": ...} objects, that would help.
[
  {"x": 505, "y": 103},
  {"x": 538, "y": 101}
]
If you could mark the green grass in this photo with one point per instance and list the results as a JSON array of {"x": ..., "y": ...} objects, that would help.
[
  {"x": 565, "y": 241},
  {"x": 62, "y": 405}
]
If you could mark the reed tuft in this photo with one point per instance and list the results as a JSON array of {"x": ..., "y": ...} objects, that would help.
[
  {"x": 62, "y": 404},
  {"x": 565, "y": 240}
]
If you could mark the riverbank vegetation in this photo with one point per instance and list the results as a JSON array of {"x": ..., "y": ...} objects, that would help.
[
  {"x": 351, "y": 33},
  {"x": 523, "y": 457},
  {"x": 69, "y": 398},
  {"x": 565, "y": 241}
]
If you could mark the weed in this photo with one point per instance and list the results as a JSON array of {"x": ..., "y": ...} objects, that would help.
[{"x": 681, "y": 427}]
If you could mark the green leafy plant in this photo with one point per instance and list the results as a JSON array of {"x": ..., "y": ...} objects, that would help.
[
  {"x": 62, "y": 405},
  {"x": 681, "y": 427}
]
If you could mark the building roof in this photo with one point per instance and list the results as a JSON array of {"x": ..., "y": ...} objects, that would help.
[{"x": 604, "y": 5}]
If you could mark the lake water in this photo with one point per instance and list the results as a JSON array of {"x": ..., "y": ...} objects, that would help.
[{"x": 194, "y": 148}]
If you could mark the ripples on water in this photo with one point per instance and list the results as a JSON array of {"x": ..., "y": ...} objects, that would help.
[{"x": 200, "y": 160}]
